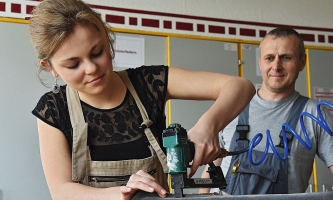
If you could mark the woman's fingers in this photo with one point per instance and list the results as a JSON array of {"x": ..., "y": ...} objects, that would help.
[
  {"x": 127, "y": 192},
  {"x": 144, "y": 181}
]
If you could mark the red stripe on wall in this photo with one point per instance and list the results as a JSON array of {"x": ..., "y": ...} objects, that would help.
[
  {"x": 208, "y": 18},
  {"x": 200, "y": 27},
  {"x": 133, "y": 21},
  {"x": 151, "y": 23},
  {"x": 15, "y": 8},
  {"x": 216, "y": 29},
  {"x": 308, "y": 37},
  {"x": 262, "y": 33},
  {"x": 29, "y": 9},
  {"x": 2, "y": 6},
  {"x": 115, "y": 19},
  {"x": 247, "y": 32},
  {"x": 330, "y": 39},
  {"x": 321, "y": 38},
  {"x": 167, "y": 24},
  {"x": 184, "y": 26},
  {"x": 232, "y": 31}
]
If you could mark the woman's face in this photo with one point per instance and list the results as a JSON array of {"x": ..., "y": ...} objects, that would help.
[{"x": 82, "y": 61}]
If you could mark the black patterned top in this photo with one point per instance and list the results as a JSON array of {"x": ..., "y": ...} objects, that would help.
[{"x": 114, "y": 134}]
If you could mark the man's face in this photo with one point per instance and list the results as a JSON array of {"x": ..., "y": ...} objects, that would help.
[{"x": 280, "y": 63}]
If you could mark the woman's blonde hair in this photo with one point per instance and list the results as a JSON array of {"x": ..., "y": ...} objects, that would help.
[{"x": 52, "y": 21}]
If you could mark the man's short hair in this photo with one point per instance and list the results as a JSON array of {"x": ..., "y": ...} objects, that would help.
[{"x": 284, "y": 32}]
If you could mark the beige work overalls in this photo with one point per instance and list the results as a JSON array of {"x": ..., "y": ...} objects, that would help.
[{"x": 111, "y": 173}]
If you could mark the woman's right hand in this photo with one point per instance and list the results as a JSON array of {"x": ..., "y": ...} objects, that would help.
[{"x": 141, "y": 181}]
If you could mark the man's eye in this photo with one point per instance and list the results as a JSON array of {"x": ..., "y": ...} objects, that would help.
[{"x": 286, "y": 58}]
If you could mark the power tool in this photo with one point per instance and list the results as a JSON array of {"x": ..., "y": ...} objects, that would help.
[{"x": 180, "y": 152}]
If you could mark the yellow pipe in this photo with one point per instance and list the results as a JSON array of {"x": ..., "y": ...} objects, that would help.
[
  {"x": 14, "y": 20},
  {"x": 240, "y": 58},
  {"x": 169, "y": 101},
  {"x": 308, "y": 78},
  {"x": 168, "y": 63},
  {"x": 188, "y": 36},
  {"x": 308, "y": 81}
]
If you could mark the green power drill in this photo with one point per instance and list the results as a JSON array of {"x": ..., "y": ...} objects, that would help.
[{"x": 180, "y": 152}]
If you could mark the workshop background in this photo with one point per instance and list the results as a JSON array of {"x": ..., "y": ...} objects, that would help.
[{"x": 212, "y": 35}]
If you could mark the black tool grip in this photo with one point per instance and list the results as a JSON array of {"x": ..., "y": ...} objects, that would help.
[{"x": 192, "y": 149}]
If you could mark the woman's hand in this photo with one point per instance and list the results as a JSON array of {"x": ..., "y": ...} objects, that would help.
[
  {"x": 230, "y": 94},
  {"x": 206, "y": 145},
  {"x": 141, "y": 181}
]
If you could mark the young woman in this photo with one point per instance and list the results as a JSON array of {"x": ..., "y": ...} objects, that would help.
[{"x": 94, "y": 130}]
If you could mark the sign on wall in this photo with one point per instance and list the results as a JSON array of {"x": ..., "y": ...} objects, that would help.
[
  {"x": 129, "y": 51},
  {"x": 324, "y": 94}
]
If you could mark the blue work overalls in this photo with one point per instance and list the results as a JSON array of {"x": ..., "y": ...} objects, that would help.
[{"x": 270, "y": 177}]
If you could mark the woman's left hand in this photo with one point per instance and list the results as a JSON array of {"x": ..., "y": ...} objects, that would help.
[{"x": 141, "y": 181}]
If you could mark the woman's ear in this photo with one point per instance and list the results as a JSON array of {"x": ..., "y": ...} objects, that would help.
[
  {"x": 45, "y": 64},
  {"x": 48, "y": 67}
]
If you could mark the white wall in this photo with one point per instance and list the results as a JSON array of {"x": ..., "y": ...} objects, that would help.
[
  {"x": 21, "y": 173},
  {"x": 309, "y": 13}
]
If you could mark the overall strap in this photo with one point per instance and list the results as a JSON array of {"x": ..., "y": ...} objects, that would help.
[
  {"x": 243, "y": 119},
  {"x": 80, "y": 148},
  {"x": 73, "y": 101},
  {"x": 146, "y": 122},
  {"x": 296, "y": 110},
  {"x": 293, "y": 118}
]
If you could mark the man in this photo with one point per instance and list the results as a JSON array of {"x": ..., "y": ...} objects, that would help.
[{"x": 282, "y": 57}]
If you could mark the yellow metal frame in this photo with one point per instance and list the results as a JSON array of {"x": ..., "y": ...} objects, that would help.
[
  {"x": 168, "y": 64},
  {"x": 169, "y": 101},
  {"x": 14, "y": 20},
  {"x": 240, "y": 57},
  {"x": 308, "y": 81}
]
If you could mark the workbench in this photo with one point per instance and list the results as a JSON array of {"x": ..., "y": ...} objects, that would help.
[{"x": 302, "y": 196}]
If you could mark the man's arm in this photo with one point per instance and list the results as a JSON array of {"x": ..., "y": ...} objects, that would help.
[
  {"x": 204, "y": 174},
  {"x": 331, "y": 168}
]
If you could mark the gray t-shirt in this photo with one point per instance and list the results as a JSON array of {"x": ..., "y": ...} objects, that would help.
[{"x": 265, "y": 115}]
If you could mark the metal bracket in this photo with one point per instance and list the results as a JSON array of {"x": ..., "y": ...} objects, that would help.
[{"x": 240, "y": 62}]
